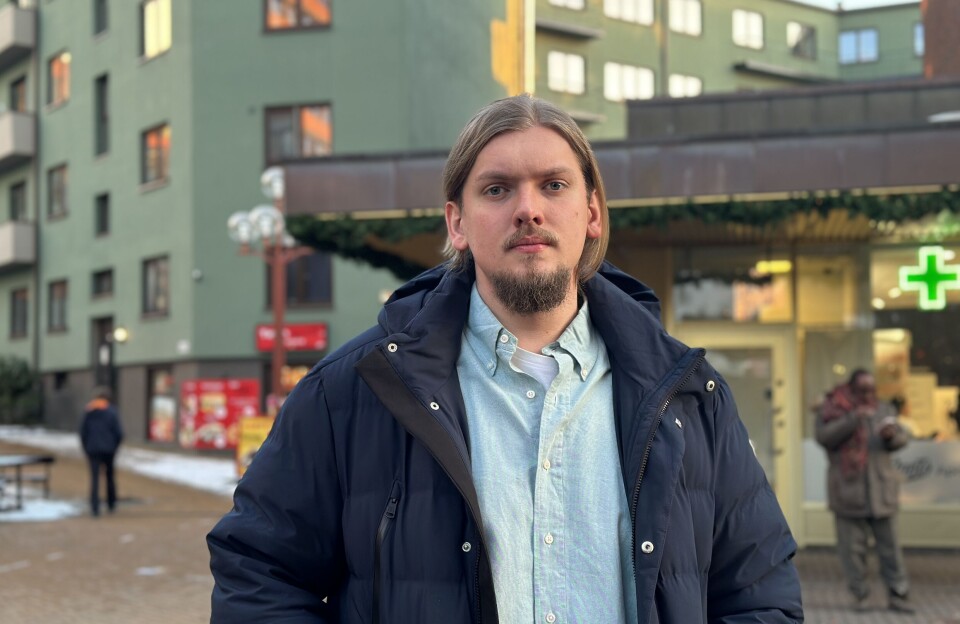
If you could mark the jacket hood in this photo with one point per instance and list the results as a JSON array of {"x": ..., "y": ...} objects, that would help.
[{"x": 407, "y": 300}]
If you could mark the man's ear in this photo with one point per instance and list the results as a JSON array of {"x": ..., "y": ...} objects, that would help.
[
  {"x": 455, "y": 231},
  {"x": 595, "y": 217}
]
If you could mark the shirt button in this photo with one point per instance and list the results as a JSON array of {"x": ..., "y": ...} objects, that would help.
[
  {"x": 551, "y": 618},
  {"x": 531, "y": 394},
  {"x": 546, "y": 464},
  {"x": 647, "y": 547},
  {"x": 504, "y": 338},
  {"x": 548, "y": 538},
  {"x": 583, "y": 373}
]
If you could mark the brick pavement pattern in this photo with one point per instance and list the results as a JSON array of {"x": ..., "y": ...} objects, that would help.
[{"x": 148, "y": 563}]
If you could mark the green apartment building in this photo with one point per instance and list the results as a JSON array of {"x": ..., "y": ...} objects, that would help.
[{"x": 133, "y": 129}]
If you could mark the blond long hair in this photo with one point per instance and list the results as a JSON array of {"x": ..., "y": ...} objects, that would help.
[{"x": 513, "y": 114}]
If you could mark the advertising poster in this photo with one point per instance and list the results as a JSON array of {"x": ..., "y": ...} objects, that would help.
[
  {"x": 211, "y": 410},
  {"x": 253, "y": 431}
]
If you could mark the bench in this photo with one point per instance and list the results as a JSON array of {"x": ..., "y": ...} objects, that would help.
[{"x": 17, "y": 464}]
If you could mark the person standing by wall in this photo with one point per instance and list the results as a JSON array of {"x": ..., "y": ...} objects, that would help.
[
  {"x": 100, "y": 436},
  {"x": 859, "y": 433}
]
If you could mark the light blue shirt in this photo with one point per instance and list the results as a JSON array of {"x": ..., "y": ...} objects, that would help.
[{"x": 547, "y": 473}]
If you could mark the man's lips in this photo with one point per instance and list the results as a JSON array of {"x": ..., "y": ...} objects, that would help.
[{"x": 530, "y": 244}]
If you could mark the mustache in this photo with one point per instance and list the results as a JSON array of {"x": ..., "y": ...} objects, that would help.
[{"x": 530, "y": 231}]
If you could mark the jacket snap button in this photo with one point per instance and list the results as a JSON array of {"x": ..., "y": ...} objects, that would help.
[
  {"x": 711, "y": 385},
  {"x": 647, "y": 547},
  {"x": 434, "y": 405},
  {"x": 466, "y": 547},
  {"x": 392, "y": 347}
]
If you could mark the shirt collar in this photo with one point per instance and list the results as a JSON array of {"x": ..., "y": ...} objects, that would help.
[{"x": 487, "y": 337}]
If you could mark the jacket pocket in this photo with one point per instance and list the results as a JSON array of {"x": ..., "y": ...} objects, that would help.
[{"x": 386, "y": 521}]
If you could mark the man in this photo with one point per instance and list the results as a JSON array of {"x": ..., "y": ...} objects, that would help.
[
  {"x": 859, "y": 433},
  {"x": 517, "y": 441},
  {"x": 100, "y": 436}
]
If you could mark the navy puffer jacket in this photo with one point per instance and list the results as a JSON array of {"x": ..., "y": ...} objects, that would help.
[{"x": 360, "y": 506}]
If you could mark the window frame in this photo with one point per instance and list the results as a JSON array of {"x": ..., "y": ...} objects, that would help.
[
  {"x": 101, "y": 214},
  {"x": 146, "y": 54},
  {"x": 58, "y": 91},
  {"x": 101, "y": 17},
  {"x": 857, "y": 34},
  {"x": 573, "y": 5},
  {"x": 267, "y": 28},
  {"x": 101, "y": 284},
  {"x": 567, "y": 58},
  {"x": 687, "y": 78},
  {"x": 645, "y": 15},
  {"x": 19, "y": 313},
  {"x": 298, "y": 272},
  {"x": 17, "y": 201},
  {"x": 295, "y": 112},
  {"x": 57, "y": 316},
  {"x": 18, "y": 95},
  {"x": 64, "y": 192},
  {"x": 748, "y": 19},
  {"x": 921, "y": 50},
  {"x": 148, "y": 297},
  {"x": 684, "y": 28},
  {"x": 795, "y": 47},
  {"x": 163, "y": 176},
  {"x": 611, "y": 66},
  {"x": 101, "y": 115}
]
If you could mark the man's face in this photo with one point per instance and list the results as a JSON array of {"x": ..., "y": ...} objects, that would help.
[
  {"x": 526, "y": 213},
  {"x": 864, "y": 388}
]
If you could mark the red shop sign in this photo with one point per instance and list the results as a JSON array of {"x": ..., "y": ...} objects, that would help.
[{"x": 296, "y": 337}]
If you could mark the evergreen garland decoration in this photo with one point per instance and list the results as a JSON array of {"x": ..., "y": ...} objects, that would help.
[{"x": 348, "y": 237}]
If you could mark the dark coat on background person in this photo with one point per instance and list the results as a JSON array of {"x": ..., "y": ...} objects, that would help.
[
  {"x": 361, "y": 507},
  {"x": 100, "y": 431},
  {"x": 870, "y": 488}
]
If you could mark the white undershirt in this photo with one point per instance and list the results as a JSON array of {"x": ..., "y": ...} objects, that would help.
[{"x": 543, "y": 368}]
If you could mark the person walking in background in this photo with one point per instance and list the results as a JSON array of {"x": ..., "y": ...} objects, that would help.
[
  {"x": 859, "y": 433},
  {"x": 100, "y": 436}
]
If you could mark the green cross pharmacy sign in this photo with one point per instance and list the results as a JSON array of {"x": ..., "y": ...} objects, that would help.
[{"x": 930, "y": 278}]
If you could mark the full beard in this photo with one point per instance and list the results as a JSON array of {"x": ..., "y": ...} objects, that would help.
[{"x": 531, "y": 292}]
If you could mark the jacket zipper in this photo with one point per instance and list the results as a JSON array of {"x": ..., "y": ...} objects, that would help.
[
  {"x": 646, "y": 455},
  {"x": 388, "y": 515}
]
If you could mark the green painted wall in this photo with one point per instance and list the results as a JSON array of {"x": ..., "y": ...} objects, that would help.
[{"x": 895, "y": 29}]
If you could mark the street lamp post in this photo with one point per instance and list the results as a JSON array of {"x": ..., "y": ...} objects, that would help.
[{"x": 266, "y": 224}]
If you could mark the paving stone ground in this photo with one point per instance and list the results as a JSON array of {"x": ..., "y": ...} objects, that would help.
[{"x": 148, "y": 563}]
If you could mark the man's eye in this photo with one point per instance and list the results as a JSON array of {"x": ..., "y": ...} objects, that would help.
[
  {"x": 495, "y": 190},
  {"x": 555, "y": 186}
]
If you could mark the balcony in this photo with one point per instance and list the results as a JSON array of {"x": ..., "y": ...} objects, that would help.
[
  {"x": 17, "y": 139},
  {"x": 17, "y": 249},
  {"x": 17, "y": 34}
]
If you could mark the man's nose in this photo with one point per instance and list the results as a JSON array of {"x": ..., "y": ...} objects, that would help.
[{"x": 529, "y": 206}]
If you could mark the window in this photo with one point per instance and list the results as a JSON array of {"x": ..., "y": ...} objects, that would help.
[
  {"x": 748, "y": 29},
  {"x": 685, "y": 17},
  {"x": 287, "y": 14},
  {"x": 57, "y": 306},
  {"x": 802, "y": 40},
  {"x": 102, "y": 284},
  {"x": 639, "y": 11},
  {"x": 624, "y": 82},
  {"x": 569, "y": 4},
  {"x": 156, "y": 286},
  {"x": 101, "y": 218},
  {"x": 101, "y": 116},
  {"x": 18, "y": 94},
  {"x": 156, "y": 34},
  {"x": 57, "y": 192},
  {"x": 295, "y": 132},
  {"x": 918, "y": 39},
  {"x": 155, "y": 157},
  {"x": 100, "y": 16},
  {"x": 859, "y": 46},
  {"x": 565, "y": 72},
  {"x": 18, "y": 313},
  {"x": 18, "y": 201},
  {"x": 58, "y": 79},
  {"x": 309, "y": 280},
  {"x": 685, "y": 86}
]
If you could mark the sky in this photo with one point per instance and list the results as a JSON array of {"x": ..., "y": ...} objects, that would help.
[{"x": 209, "y": 474}]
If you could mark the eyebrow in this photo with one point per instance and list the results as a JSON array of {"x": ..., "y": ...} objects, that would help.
[{"x": 494, "y": 175}]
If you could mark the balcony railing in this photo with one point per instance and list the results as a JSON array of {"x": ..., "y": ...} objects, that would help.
[
  {"x": 17, "y": 139},
  {"x": 18, "y": 29},
  {"x": 17, "y": 248}
]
